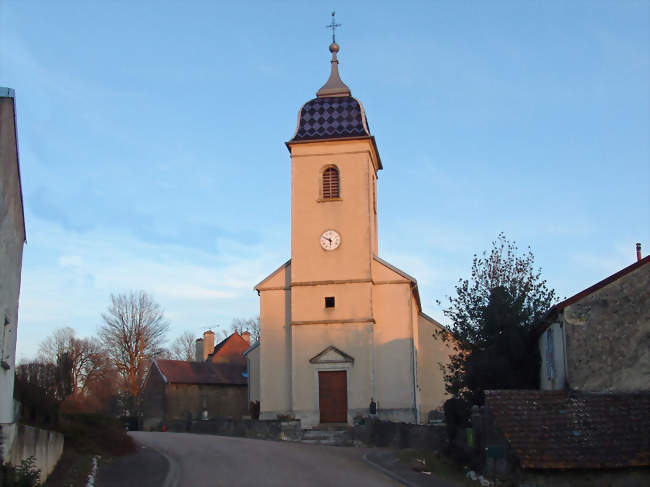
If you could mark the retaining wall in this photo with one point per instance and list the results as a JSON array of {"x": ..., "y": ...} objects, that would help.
[
  {"x": 372, "y": 432},
  {"x": 21, "y": 442}
]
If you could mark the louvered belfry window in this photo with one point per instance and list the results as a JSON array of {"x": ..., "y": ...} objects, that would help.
[{"x": 331, "y": 183}]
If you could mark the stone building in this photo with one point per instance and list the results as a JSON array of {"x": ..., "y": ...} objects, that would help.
[
  {"x": 599, "y": 339},
  {"x": 177, "y": 390},
  {"x": 342, "y": 330},
  {"x": 12, "y": 239}
]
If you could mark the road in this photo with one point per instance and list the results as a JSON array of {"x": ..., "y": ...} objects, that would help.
[{"x": 211, "y": 461}]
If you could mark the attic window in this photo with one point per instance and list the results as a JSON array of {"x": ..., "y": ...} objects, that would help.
[
  {"x": 331, "y": 183},
  {"x": 329, "y": 302}
]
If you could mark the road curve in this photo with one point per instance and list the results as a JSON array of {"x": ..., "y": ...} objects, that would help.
[{"x": 211, "y": 461}]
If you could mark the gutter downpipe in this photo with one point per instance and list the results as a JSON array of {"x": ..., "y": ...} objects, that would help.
[
  {"x": 564, "y": 357},
  {"x": 413, "y": 355}
]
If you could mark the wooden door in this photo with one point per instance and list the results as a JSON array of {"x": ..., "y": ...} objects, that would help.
[{"x": 333, "y": 396}]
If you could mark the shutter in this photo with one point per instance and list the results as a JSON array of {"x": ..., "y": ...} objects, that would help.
[{"x": 330, "y": 183}]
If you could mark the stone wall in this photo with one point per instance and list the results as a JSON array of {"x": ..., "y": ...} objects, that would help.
[
  {"x": 245, "y": 428},
  {"x": 183, "y": 401},
  {"x": 399, "y": 435},
  {"x": 608, "y": 336},
  {"x": 372, "y": 432},
  {"x": 23, "y": 442}
]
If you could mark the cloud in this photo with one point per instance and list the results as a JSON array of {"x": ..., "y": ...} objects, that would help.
[{"x": 68, "y": 278}]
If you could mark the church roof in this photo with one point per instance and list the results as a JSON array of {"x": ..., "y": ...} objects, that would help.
[
  {"x": 334, "y": 113},
  {"x": 331, "y": 118}
]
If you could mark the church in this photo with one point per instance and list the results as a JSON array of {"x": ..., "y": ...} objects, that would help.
[{"x": 342, "y": 332}]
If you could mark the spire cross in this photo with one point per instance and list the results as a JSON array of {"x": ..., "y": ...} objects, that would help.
[{"x": 333, "y": 26}]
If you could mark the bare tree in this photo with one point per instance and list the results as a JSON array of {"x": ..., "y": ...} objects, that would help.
[
  {"x": 133, "y": 333},
  {"x": 240, "y": 325},
  {"x": 84, "y": 357},
  {"x": 183, "y": 347}
]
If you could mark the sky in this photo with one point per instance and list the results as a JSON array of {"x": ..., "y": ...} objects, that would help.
[{"x": 152, "y": 153}]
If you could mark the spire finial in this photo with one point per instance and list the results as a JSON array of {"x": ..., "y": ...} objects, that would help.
[
  {"x": 333, "y": 25},
  {"x": 334, "y": 85}
]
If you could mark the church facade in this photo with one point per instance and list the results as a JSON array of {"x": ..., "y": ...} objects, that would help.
[{"x": 342, "y": 332}]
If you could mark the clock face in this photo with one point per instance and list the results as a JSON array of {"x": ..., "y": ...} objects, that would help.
[{"x": 330, "y": 239}]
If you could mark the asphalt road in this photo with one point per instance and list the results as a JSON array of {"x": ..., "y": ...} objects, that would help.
[{"x": 211, "y": 461}]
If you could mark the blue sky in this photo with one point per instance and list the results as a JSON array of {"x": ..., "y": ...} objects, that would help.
[{"x": 152, "y": 143}]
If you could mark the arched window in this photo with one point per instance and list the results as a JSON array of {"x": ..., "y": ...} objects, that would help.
[{"x": 331, "y": 183}]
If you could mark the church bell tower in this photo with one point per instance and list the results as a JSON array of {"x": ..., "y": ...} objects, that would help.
[{"x": 334, "y": 165}]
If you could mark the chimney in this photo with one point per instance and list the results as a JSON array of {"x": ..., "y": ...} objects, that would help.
[
  {"x": 198, "y": 350},
  {"x": 246, "y": 336},
  {"x": 638, "y": 251},
  {"x": 208, "y": 343}
]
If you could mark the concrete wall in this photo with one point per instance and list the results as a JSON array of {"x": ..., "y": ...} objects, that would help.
[
  {"x": 26, "y": 441},
  {"x": 351, "y": 215},
  {"x": 275, "y": 344},
  {"x": 310, "y": 340},
  {"x": 253, "y": 368},
  {"x": 608, "y": 336},
  {"x": 432, "y": 352},
  {"x": 12, "y": 237},
  {"x": 394, "y": 351}
]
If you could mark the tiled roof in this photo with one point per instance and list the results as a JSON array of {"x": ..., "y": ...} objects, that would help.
[
  {"x": 574, "y": 430},
  {"x": 230, "y": 350},
  {"x": 331, "y": 118},
  {"x": 183, "y": 372}
]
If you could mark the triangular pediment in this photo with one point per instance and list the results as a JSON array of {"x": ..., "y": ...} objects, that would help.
[{"x": 331, "y": 355}]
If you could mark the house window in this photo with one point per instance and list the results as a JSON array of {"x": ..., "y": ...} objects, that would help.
[
  {"x": 550, "y": 356},
  {"x": 331, "y": 187},
  {"x": 329, "y": 302}
]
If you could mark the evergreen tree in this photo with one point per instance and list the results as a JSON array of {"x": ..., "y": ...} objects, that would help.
[{"x": 492, "y": 319}]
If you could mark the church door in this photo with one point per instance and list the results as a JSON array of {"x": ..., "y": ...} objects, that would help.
[{"x": 333, "y": 396}]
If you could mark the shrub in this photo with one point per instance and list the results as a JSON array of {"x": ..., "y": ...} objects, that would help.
[{"x": 24, "y": 475}]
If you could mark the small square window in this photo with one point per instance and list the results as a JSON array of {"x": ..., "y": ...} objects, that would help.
[{"x": 329, "y": 302}]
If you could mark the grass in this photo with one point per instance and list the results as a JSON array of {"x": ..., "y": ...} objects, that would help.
[
  {"x": 72, "y": 470},
  {"x": 87, "y": 435},
  {"x": 439, "y": 465}
]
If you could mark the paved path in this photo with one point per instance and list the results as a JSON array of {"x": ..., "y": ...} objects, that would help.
[{"x": 211, "y": 461}]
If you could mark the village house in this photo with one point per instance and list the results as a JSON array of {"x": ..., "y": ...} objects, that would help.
[
  {"x": 212, "y": 386},
  {"x": 342, "y": 331},
  {"x": 12, "y": 239},
  {"x": 178, "y": 390},
  {"x": 599, "y": 339},
  {"x": 589, "y": 423}
]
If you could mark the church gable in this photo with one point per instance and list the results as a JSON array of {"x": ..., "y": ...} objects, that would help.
[
  {"x": 278, "y": 279},
  {"x": 382, "y": 271},
  {"x": 331, "y": 355}
]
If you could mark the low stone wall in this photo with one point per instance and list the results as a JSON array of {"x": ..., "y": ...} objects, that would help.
[
  {"x": 245, "y": 428},
  {"x": 21, "y": 442},
  {"x": 372, "y": 432},
  {"x": 375, "y": 432}
]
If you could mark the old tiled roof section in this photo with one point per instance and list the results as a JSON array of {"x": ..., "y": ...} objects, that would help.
[
  {"x": 331, "y": 118},
  {"x": 183, "y": 372},
  {"x": 574, "y": 430},
  {"x": 230, "y": 350}
]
